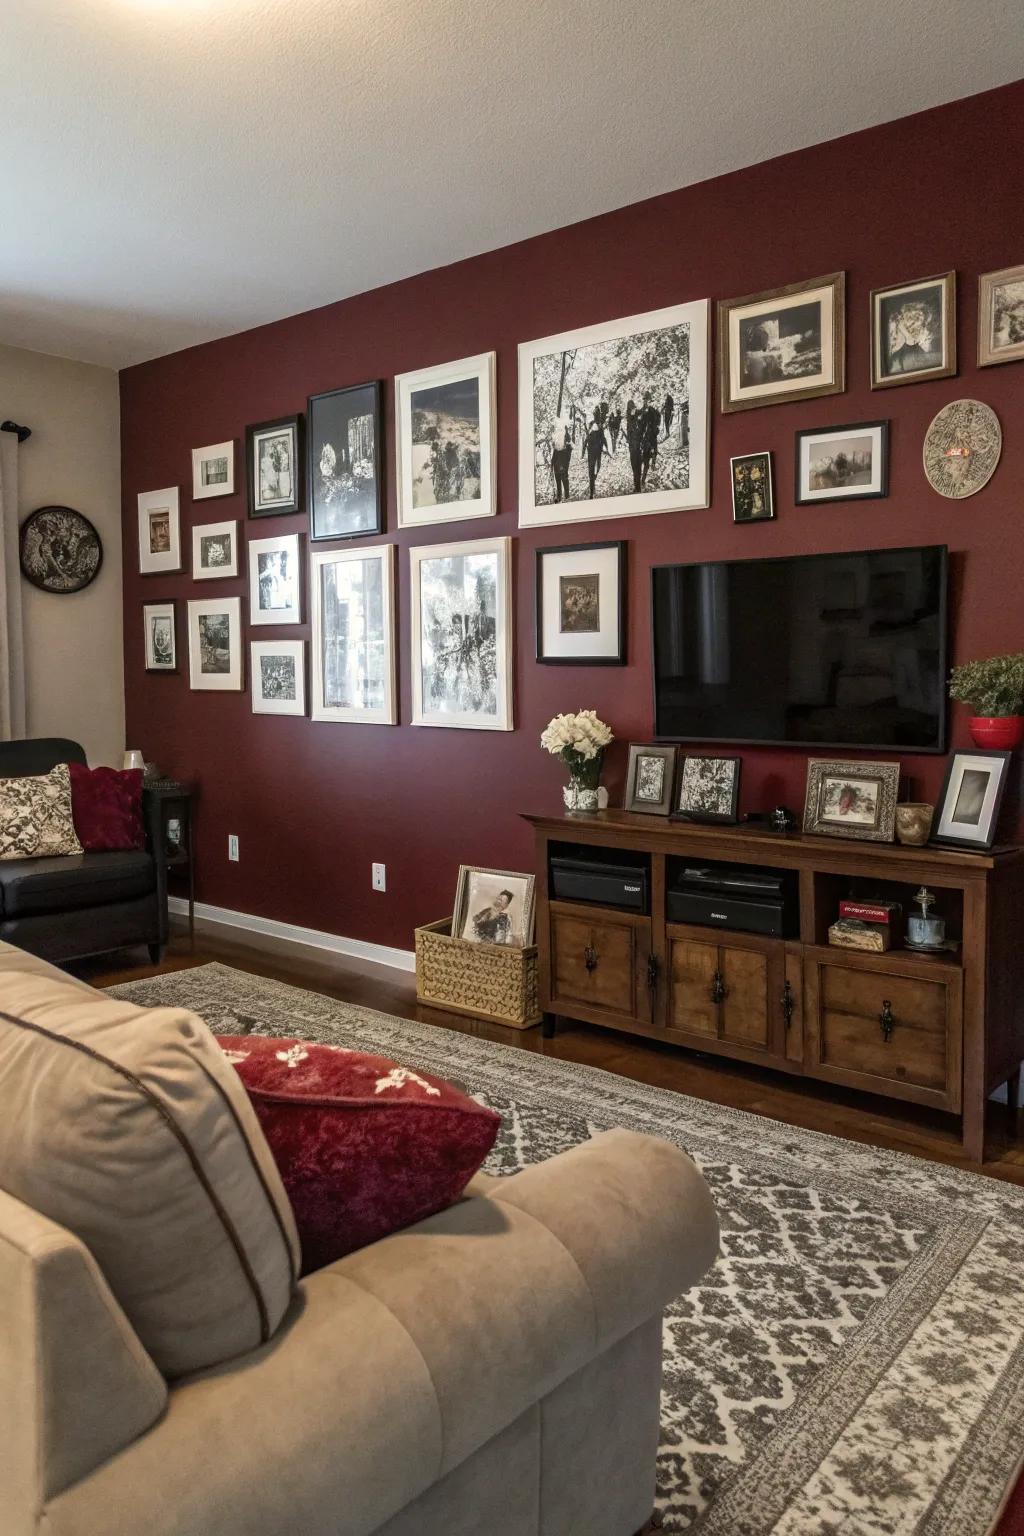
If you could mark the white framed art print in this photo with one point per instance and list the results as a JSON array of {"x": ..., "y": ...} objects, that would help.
[
  {"x": 215, "y": 644},
  {"x": 214, "y": 551},
  {"x": 213, "y": 470},
  {"x": 159, "y": 531},
  {"x": 352, "y": 596},
  {"x": 278, "y": 677},
  {"x": 274, "y": 580},
  {"x": 444, "y": 442},
  {"x": 462, "y": 634}
]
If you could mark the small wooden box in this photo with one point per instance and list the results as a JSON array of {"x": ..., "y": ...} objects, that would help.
[
  {"x": 484, "y": 981},
  {"x": 852, "y": 933}
]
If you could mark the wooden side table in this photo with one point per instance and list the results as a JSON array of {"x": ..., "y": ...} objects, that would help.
[{"x": 175, "y": 803}]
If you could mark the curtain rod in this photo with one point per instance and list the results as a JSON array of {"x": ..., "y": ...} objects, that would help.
[{"x": 12, "y": 426}]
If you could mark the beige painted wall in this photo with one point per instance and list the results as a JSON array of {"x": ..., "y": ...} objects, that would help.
[{"x": 73, "y": 645}]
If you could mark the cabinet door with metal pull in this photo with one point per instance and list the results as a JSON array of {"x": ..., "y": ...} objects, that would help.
[
  {"x": 602, "y": 959},
  {"x": 734, "y": 993}
]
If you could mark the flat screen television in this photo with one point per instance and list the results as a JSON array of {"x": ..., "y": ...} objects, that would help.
[{"x": 837, "y": 650}]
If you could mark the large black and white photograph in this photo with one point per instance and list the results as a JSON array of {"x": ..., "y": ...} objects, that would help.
[
  {"x": 842, "y": 463},
  {"x": 159, "y": 531},
  {"x": 785, "y": 344},
  {"x": 278, "y": 669},
  {"x": 274, "y": 580},
  {"x": 972, "y": 795},
  {"x": 215, "y": 643},
  {"x": 613, "y": 419},
  {"x": 344, "y": 428},
  {"x": 60, "y": 550},
  {"x": 273, "y": 459},
  {"x": 213, "y": 470},
  {"x": 494, "y": 906},
  {"x": 444, "y": 423},
  {"x": 1001, "y": 316},
  {"x": 708, "y": 789},
  {"x": 352, "y": 597},
  {"x": 913, "y": 331},
  {"x": 581, "y": 604},
  {"x": 160, "y": 638},
  {"x": 214, "y": 551},
  {"x": 461, "y": 635}
]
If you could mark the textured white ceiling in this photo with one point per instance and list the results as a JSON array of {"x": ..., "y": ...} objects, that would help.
[{"x": 175, "y": 170}]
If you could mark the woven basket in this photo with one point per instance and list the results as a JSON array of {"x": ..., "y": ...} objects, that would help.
[{"x": 485, "y": 981}]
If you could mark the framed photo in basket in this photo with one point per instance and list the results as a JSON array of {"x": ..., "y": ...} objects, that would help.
[
  {"x": 968, "y": 811},
  {"x": 494, "y": 906},
  {"x": 852, "y": 800}
]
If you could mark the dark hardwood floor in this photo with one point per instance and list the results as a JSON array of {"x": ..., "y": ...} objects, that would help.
[{"x": 820, "y": 1107}]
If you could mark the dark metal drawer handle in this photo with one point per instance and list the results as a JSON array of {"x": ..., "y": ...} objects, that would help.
[
  {"x": 887, "y": 1020},
  {"x": 719, "y": 990},
  {"x": 652, "y": 971},
  {"x": 788, "y": 1004},
  {"x": 590, "y": 958}
]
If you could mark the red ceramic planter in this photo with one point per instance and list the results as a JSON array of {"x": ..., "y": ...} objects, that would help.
[{"x": 1000, "y": 733}]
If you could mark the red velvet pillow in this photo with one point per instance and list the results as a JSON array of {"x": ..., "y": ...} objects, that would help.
[
  {"x": 106, "y": 804},
  {"x": 363, "y": 1145}
]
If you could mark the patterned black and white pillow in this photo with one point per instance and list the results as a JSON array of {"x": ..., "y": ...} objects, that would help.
[{"x": 35, "y": 816}]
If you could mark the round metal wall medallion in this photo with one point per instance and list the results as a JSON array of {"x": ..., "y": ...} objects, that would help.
[
  {"x": 962, "y": 448},
  {"x": 60, "y": 550}
]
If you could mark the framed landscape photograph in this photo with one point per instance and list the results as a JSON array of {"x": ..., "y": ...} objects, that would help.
[
  {"x": 215, "y": 644},
  {"x": 1001, "y": 317},
  {"x": 968, "y": 809},
  {"x": 344, "y": 431},
  {"x": 213, "y": 470},
  {"x": 494, "y": 906},
  {"x": 214, "y": 551},
  {"x": 159, "y": 531},
  {"x": 444, "y": 430},
  {"x": 278, "y": 677},
  {"x": 913, "y": 331},
  {"x": 842, "y": 463},
  {"x": 753, "y": 489},
  {"x": 649, "y": 779},
  {"x": 852, "y": 799},
  {"x": 462, "y": 634},
  {"x": 581, "y": 604},
  {"x": 273, "y": 466},
  {"x": 613, "y": 419},
  {"x": 784, "y": 344},
  {"x": 161, "y": 639},
  {"x": 275, "y": 595},
  {"x": 708, "y": 789},
  {"x": 352, "y": 595}
]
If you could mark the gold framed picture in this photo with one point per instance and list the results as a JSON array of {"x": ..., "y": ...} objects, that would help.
[
  {"x": 784, "y": 344},
  {"x": 1001, "y": 317},
  {"x": 913, "y": 331}
]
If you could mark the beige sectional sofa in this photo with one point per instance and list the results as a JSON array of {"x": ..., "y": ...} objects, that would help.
[{"x": 493, "y": 1371}]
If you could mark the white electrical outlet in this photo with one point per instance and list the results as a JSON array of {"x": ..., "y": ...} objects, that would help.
[
  {"x": 378, "y": 878},
  {"x": 232, "y": 847}
]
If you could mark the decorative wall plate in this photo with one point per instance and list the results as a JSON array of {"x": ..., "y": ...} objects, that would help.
[
  {"x": 60, "y": 550},
  {"x": 962, "y": 448}
]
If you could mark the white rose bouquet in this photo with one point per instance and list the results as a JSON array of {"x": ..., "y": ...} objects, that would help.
[{"x": 579, "y": 740}]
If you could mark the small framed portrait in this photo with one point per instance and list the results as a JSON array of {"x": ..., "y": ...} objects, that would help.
[
  {"x": 494, "y": 906},
  {"x": 160, "y": 637},
  {"x": 275, "y": 595},
  {"x": 785, "y": 344},
  {"x": 215, "y": 644},
  {"x": 159, "y": 532},
  {"x": 344, "y": 434},
  {"x": 649, "y": 779},
  {"x": 852, "y": 800},
  {"x": 708, "y": 789},
  {"x": 968, "y": 810},
  {"x": 913, "y": 331},
  {"x": 1001, "y": 317},
  {"x": 842, "y": 463},
  {"x": 352, "y": 596},
  {"x": 214, "y": 551},
  {"x": 278, "y": 677},
  {"x": 213, "y": 470},
  {"x": 581, "y": 604},
  {"x": 753, "y": 490},
  {"x": 444, "y": 430},
  {"x": 273, "y": 466}
]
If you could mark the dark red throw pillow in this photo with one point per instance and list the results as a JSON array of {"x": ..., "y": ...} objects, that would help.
[
  {"x": 364, "y": 1146},
  {"x": 106, "y": 804}
]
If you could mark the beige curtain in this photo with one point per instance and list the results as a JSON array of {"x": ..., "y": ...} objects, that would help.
[{"x": 12, "y": 658}]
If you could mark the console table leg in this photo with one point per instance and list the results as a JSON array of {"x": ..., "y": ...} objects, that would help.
[
  {"x": 1012, "y": 1100},
  {"x": 549, "y": 1025},
  {"x": 974, "y": 1131}
]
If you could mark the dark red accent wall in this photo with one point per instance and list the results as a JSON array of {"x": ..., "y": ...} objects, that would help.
[{"x": 314, "y": 804}]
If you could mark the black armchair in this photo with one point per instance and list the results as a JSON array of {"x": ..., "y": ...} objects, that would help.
[{"x": 83, "y": 904}]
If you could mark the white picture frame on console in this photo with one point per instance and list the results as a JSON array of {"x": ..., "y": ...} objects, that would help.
[
  {"x": 445, "y": 442},
  {"x": 352, "y": 601},
  {"x": 159, "y": 531},
  {"x": 462, "y": 591}
]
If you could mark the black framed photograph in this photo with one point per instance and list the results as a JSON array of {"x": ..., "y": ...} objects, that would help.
[
  {"x": 842, "y": 463},
  {"x": 913, "y": 331},
  {"x": 161, "y": 638},
  {"x": 753, "y": 490},
  {"x": 581, "y": 604},
  {"x": 784, "y": 344},
  {"x": 846, "y": 799},
  {"x": 273, "y": 466},
  {"x": 708, "y": 789},
  {"x": 344, "y": 431},
  {"x": 968, "y": 810},
  {"x": 650, "y": 778}
]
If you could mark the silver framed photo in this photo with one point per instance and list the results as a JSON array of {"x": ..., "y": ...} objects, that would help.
[
  {"x": 278, "y": 669},
  {"x": 856, "y": 800},
  {"x": 275, "y": 585},
  {"x": 494, "y": 906},
  {"x": 352, "y": 602}
]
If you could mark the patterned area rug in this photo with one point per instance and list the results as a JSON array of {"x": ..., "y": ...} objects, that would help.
[{"x": 853, "y": 1366}]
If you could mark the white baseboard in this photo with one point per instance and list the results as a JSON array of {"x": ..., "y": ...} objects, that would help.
[{"x": 291, "y": 933}]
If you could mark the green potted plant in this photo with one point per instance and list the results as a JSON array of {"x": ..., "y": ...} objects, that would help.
[{"x": 994, "y": 688}]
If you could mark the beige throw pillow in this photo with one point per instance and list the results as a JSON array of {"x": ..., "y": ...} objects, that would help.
[
  {"x": 127, "y": 1126},
  {"x": 35, "y": 816}
]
